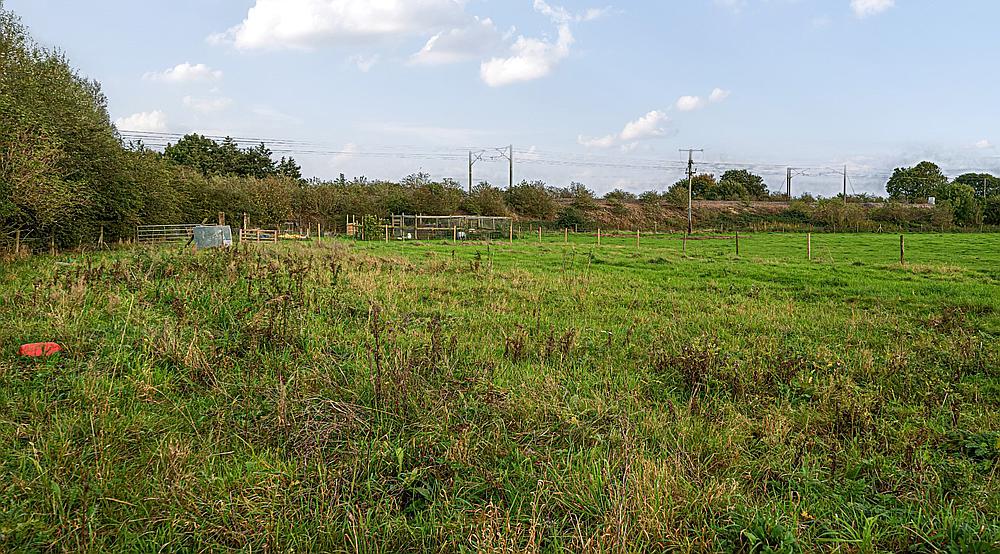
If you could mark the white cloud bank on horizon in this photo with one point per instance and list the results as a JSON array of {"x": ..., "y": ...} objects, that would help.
[{"x": 154, "y": 121}]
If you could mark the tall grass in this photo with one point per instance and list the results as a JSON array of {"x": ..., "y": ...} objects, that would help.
[{"x": 371, "y": 397}]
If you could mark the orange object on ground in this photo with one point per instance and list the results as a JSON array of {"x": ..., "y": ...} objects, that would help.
[{"x": 39, "y": 349}]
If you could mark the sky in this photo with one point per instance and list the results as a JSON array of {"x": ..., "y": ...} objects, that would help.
[{"x": 601, "y": 92}]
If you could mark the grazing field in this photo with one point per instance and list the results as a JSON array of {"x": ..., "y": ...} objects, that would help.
[{"x": 438, "y": 397}]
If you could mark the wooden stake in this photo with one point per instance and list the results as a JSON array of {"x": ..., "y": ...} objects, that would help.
[
  {"x": 17, "y": 242},
  {"x": 809, "y": 245},
  {"x": 319, "y": 232},
  {"x": 566, "y": 235},
  {"x": 637, "y": 238},
  {"x": 512, "y": 232},
  {"x": 539, "y": 234},
  {"x": 100, "y": 238},
  {"x": 737, "y": 244},
  {"x": 902, "y": 250},
  {"x": 52, "y": 244},
  {"x": 454, "y": 232},
  {"x": 598, "y": 236}
]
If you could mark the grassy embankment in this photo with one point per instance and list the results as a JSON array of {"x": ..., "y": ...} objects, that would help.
[{"x": 440, "y": 397}]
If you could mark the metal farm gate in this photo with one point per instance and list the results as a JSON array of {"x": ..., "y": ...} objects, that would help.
[{"x": 158, "y": 234}]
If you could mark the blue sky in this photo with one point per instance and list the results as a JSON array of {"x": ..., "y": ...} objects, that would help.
[{"x": 601, "y": 93}]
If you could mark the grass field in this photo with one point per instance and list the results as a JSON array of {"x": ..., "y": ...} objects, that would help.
[{"x": 437, "y": 397}]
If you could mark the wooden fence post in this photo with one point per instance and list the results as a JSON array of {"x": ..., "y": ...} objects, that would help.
[
  {"x": 566, "y": 235},
  {"x": 598, "y": 236},
  {"x": 737, "y": 244},
  {"x": 319, "y": 232},
  {"x": 100, "y": 238},
  {"x": 512, "y": 231},
  {"x": 222, "y": 218},
  {"x": 17, "y": 242},
  {"x": 809, "y": 245},
  {"x": 637, "y": 234},
  {"x": 902, "y": 250},
  {"x": 454, "y": 233},
  {"x": 539, "y": 234}
]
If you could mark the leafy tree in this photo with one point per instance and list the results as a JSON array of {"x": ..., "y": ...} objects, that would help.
[
  {"x": 62, "y": 167},
  {"x": 485, "y": 200},
  {"x": 963, "y": 201},
  {"x": 983, "y": 183},
  {"x": 257, "y": 162},
  {"x": 740, "y": 180},
  {"x": 700, "y": 187},
  {"x": 620, "y": 195},
  {"x": 916, "y": 183},
  {"x": 531, "y": 200},
  {"x": 288, "y": 168},
  {"x": 571, "y": 218},
  {"x": 584, "y": 199},
  {"x": 196, "y": 151},
  {"x": 991, "y": 211}
]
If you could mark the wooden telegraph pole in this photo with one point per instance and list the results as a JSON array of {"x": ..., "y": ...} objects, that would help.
[{"x": 690, "y": 173}]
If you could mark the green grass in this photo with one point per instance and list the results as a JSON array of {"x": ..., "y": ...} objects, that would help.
[{"x": 442, "y": 397}]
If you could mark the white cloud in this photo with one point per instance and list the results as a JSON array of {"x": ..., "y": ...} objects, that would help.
[
  {"x": 690, "y": 103},
  {"x": 867, "y": 8},
  {"x": 718, "y": 95},
  {"x": 365, "y": 63},
  {"x": 599, "y": 142},
  {"x": 530, "y": 59},
  {"x": 207, "y": 105},
  {"x": 474, "y": 40},
  {"x": 303, "y": 24},
  {"x": 651, "y": 125},
  {"x": 184, "y": 73},
  {"x": 154, "y": 121},
  {"x": 347, "y": 153},
  {"x": 534, "y": 58},
  {"x": 984, "y": 145}
]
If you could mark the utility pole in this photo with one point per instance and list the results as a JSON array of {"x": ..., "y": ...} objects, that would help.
[
  {"x": 845, "y": 185},
  {"x": 788, "y": 182},
  {"x": 473, "y": 158},
  {"x": 510, "y": 158},
  {"x": 508, "y": 154},
  {"x": 690, "y": 172}
]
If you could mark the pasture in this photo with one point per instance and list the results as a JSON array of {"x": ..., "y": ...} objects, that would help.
[{"x": 528, "y": 397}]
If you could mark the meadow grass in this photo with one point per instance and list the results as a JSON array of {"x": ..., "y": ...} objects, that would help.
[{"x": 494, "y": 397}]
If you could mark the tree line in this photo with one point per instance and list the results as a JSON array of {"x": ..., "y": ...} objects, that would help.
[{"x": 65, "y": 173}]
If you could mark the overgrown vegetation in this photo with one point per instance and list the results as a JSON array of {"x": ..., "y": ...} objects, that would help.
[{"x": 414, "y": 397}]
